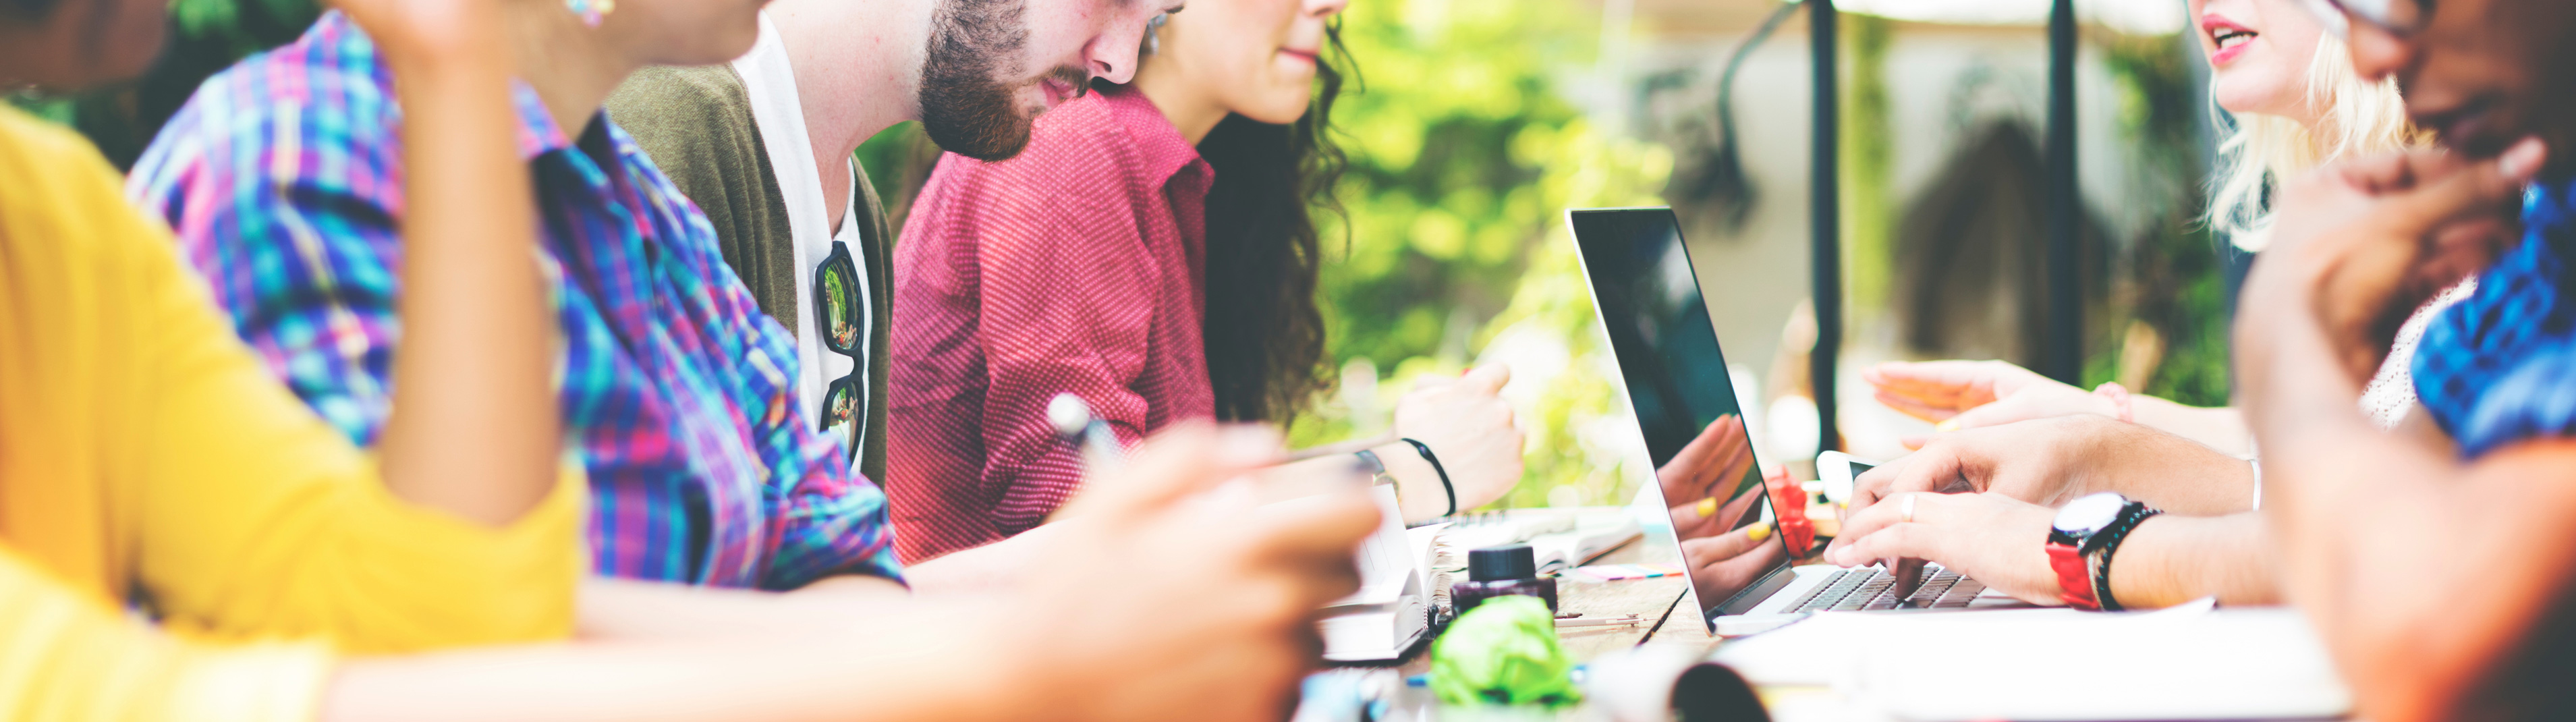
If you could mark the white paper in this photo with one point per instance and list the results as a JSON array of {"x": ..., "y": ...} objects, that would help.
[{"x": 2041, "y": 665}]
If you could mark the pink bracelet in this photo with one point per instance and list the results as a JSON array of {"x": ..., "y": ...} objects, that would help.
[{"x": 2119, "y": 396}]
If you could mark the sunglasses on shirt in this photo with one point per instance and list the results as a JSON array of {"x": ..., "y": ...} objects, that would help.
[
  {"x": 836, "y": 309},
  {"x": 2399, "y": 17}
]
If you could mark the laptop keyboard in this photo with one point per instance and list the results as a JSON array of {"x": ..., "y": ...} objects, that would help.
[{"x": 1872, "y": 588}]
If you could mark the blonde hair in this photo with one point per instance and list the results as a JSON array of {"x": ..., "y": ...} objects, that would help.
[{"x": 2358, "y": 118}]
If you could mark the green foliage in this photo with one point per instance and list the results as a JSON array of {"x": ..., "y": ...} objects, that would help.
[
  {"x": 1463, "y": 161},
  {"x": 2175, "y": 270},
  {"x": 239, "y": 32},
  {"x": 1868, "y": 160}
]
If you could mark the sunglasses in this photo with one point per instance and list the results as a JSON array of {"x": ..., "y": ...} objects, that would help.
[
  {"x": 836, "y": 309},
  {"x": 2398, "y": 17}
]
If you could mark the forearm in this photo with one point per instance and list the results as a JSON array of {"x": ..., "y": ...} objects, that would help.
[
  {"x": 629, "y": 611},
  {"x": 1418, "y": 491},
  {"x": 912, "y": 672},
  {"x": 989, "y": 568},
  {"x": 2178, "y": 476},
  {"x": 2172, "y": 559},
  {"x": 2222, "y": 427},
  {"x": 474, "y": 430},
  {"x": 2374, "y": 528}
]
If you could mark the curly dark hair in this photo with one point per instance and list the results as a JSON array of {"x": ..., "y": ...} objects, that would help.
[{"x": 1264, "y": 334}]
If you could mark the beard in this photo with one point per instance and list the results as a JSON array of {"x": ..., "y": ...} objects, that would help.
[{"x": 965, "y": 107}]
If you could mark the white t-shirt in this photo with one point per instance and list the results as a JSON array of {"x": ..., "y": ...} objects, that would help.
[{"x": 769, "y": 83}]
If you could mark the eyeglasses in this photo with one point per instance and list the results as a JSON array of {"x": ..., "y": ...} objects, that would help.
[
  {"x": 836, "y": 310},
  {"x": 2398, "y": 17}
]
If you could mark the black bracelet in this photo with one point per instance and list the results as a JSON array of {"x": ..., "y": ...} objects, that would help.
[
  {"x": 1425, "y": 450},
  {"x": 2108, "y": 541}
]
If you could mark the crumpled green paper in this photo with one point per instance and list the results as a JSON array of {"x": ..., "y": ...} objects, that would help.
[{"x": 1503, "y": 652}]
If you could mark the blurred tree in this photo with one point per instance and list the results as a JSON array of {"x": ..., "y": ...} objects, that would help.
[
  {"x": 2174, "y": 336},
  {"x": 1464, "y": 157}
]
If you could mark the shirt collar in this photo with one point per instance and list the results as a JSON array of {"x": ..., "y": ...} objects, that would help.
[
  {"x": 1159, "y": 145},
  {"x": 538, "y": 133}
]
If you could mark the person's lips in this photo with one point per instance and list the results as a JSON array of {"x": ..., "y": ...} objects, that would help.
[
  {"x": 1056, "y": 91},
  {"x": 1305, "y": 55},
  {"x": 2229, "y": 38}
]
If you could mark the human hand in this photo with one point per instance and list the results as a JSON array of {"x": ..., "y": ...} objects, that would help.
[
  {"x": 1992, "y": 538},
  {"x": 1103, "y": 636},
  {"x": 425, "y": 33},
  {"x": 1468, "y": 425},
  {"x": 2054, "y": 460},
  {"x": 1709, "y": 515},
  {"x": 1724, "y": 564},
  {"x": 1717, "y": 459},
  {"x": 2359, "y": 245},
  {"x": 1971, "y": 394}
]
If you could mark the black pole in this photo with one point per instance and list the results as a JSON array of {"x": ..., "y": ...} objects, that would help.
[
  {"x": 2062, "y": 353},
  {"x": 1825, "y": 192}
]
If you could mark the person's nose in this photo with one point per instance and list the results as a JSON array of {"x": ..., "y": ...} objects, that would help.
[
  {"x": 2377, "y": 53},
  {"x": 1112, "y": 55},
  {"x": 1326, "y": 8}
]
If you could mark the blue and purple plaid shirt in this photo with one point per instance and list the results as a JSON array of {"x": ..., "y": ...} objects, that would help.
[
  {"x": 283, "y": 179},
  {"x": 2500, "y": 366}
]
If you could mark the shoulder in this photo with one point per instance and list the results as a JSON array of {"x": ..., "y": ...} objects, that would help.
[
  {"x": 683, "y": 107},
  {"x": 696, "y": 125},
  {"x": 318, "y": 112},
  {"x": 63, "y": 223},
  {"x": 1081, "y": 160}
]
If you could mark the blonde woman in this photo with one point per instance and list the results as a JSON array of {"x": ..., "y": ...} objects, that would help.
[{"x": 2296, "y": 103}]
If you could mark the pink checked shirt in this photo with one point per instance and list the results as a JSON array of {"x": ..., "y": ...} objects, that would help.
[{"x": 1075, "y": 267}]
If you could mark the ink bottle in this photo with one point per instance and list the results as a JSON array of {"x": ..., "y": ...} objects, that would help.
[{"x": 1497, "y": 571}]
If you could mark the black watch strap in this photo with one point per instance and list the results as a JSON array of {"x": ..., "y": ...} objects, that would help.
[{"x": 2100, "y": 546}]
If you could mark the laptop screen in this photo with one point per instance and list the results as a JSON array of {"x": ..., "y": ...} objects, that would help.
[{"x": 1667, "y": 349}]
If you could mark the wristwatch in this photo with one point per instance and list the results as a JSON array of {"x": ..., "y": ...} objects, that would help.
[{"x": 2080, "y": 543}]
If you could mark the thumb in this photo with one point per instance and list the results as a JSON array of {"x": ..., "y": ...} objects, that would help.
[{"x": 1490, "y": 378}]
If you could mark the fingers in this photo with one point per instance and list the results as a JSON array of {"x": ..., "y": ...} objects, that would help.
[
  {"x": 2481, "y": 188},
  {"x": 1916, "y": 407},
  {"x": 1489, "y": 378},
  {"x": 1882, "y": 533},
  {"x": 1313, "y": 539},
  {"x": 1188, "y": 458},
  {"x": 1713, "y": 549}
]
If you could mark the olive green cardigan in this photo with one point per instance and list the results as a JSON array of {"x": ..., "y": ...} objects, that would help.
[{"x": 696, "y": 124}]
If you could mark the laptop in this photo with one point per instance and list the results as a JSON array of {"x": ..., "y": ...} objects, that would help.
[{"x": 1648, "y": 298}]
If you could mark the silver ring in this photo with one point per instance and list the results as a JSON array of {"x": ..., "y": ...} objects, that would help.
[{"x": 1905, "y": 509}]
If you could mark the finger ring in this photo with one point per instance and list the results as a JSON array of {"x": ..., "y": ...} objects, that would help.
[{"x": 1905, "y": 509}]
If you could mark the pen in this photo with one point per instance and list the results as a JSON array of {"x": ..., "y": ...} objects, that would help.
[
  {"x": 1089, "y": 436},
  {"x": 1600, "y": 621}
]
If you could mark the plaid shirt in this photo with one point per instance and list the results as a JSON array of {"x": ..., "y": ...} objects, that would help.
[
  {"x": 2500, "y": 367},
  {"x": 282, "y": 177}
]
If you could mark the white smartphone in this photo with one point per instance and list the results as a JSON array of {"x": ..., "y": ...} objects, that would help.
[{"x": 1837, "y": 469}]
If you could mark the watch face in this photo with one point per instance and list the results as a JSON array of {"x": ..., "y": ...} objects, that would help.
[{"x": 2081, "y": 517}]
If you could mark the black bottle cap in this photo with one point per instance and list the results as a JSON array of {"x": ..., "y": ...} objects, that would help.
[{"x": 1509, "y": 561}]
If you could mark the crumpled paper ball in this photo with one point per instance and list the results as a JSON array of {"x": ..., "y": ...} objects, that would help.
[{"x": 1503, "y": 652}]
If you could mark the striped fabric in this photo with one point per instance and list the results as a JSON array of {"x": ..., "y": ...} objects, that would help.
[
  {"x": 1075, "y": 267},
  {"x": 282, "y": 178}
]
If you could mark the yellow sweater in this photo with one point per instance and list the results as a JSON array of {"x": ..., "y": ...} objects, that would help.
[{"x": 149, "y": 462}]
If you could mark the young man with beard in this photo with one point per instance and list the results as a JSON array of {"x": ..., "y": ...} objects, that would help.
[
  {"x": 764, "y": 145},
  {"x": 678, "y": 394}
]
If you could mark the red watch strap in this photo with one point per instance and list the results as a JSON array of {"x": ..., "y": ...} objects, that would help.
[{"x": 2074, "y": 577}]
